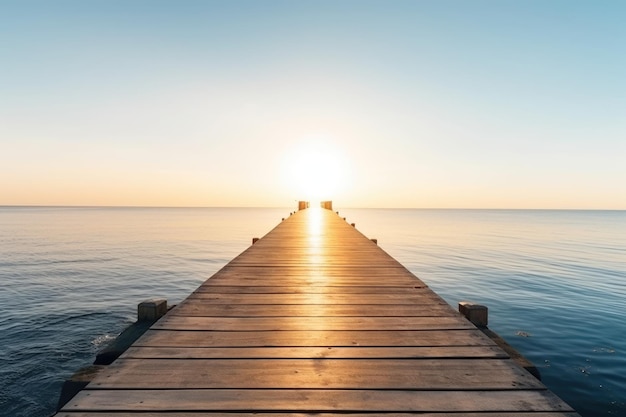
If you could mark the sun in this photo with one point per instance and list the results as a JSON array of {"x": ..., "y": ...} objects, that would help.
[{"x": 315, "y": 169}]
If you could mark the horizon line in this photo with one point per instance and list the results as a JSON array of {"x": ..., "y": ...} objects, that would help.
[{"x": 34, "y": 206}]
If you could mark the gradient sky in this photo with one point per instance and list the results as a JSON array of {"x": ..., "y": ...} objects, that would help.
[{"x": 468, "y": 104}]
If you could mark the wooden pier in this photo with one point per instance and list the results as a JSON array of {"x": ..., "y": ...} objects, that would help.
[{"x": 314, "y": 318}]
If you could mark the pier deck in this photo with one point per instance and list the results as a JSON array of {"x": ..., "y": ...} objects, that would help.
[{"x": 314, "y": 318}]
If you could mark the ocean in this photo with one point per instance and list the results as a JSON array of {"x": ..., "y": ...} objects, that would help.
[{"x": 554, "y": 282}]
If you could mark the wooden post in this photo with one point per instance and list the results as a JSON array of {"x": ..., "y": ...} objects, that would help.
[
  {"x": 151, "y": 310},
  {"x": 375, "y": 241},
  {"x": 476, "y": 313},
  {"x": 255, "y": 240}
]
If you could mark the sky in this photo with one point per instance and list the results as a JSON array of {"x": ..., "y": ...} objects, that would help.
[{"x": 425, "y": 104}]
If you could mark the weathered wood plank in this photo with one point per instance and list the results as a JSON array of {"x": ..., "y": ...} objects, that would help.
[
  {"x": 432, "y": 374},
  {"x": 370, "y": 401},
  {"x": 315, "y": 280},
  {"x": 281, "y": 288},
  {"x": 270, "y": 274},
  {"x": 183, "y": 338},
  {"x": 315, "y": 298},
  {"x": 188, "y": 308},
  {"x": 283, "y": 261},
  {"x": 238, "y": 324},
  {"x": 304, "y": 270},
  {"x": 459, "y": 352}
]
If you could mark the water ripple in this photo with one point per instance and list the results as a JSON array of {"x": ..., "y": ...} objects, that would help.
[{"x": 554, "y": 282}]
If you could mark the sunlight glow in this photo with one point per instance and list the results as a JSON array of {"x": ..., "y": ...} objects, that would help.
[{"x": 315, "y": 169}]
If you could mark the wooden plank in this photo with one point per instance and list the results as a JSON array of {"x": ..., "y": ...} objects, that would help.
[
  {"x": 185, "y": 338},
  {"x": 328, "y": 258},
  {"x": 314, "y": 280},
  {"x": 459, "y": 352},
  {"x": 432, "y": 374},
  {"x": 238, "y": 324},
  {"x": 305, "y": 270},
  {"x": 315, "y": 299},
  {"x": 324, "y": 274},
  {"x": 285, "y": 261},
  {"x": 265, "y": 400},
  {"x": 281, "y": 288},
  {"x": 188, "y": 308}
]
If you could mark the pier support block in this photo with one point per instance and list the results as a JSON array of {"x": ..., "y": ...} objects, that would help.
[
  {"x": 148, "y": 312},
  {"x": 476, "y": 313},
  {"x": 76, "y": 383},
  {"x": 151, "y": 310}
]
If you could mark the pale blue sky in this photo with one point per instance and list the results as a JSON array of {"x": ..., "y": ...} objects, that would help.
[{"x": 503, "y": 104}]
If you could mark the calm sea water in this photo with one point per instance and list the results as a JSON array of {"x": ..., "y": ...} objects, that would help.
[{"x": 554, "y": 281}]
